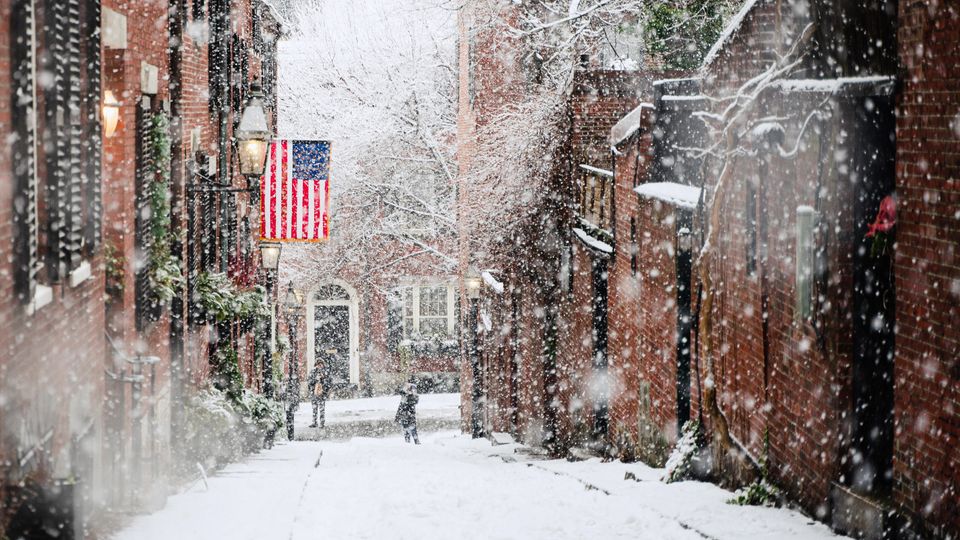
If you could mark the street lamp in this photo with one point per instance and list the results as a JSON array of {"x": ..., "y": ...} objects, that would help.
[
  {"x": 291, "y": 304},
  {"x": 270, "y": 255},
  {"x": 252, "y": 135},
  {"x": 473, "y": 284}
]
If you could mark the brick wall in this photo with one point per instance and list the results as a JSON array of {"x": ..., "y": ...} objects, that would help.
[
  {"x": 927, "y": 364},
  {"x": 51, "y": 360}
]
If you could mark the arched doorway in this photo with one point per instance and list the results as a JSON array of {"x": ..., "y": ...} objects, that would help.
[{"x": 333, "y": 329}]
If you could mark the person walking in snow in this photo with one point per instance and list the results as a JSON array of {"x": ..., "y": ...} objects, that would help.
[
  {"x": 407, "y": 411},
  {"x": 319, "y": 387}
]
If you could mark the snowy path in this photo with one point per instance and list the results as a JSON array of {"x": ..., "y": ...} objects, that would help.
[
  {"x": 373, "y": 417},
  {"x": 450, "y": 487}
]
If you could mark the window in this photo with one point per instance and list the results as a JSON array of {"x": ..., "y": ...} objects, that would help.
[
  {"x": 751, "y": 219},
  {"x": 56, "y": 160},
  {"x": 427, "y": 311},
  {"x": 806, "y": 222}
]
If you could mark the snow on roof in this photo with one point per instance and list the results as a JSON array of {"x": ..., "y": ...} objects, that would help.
[
  {"x": 274, "y": 13},
  {"x": 683, "y": 98},
  {"x": 660, "y": 82},
  {"x": 670, "y": 192},
  {"x": 596, "y": 170},
  {"x": 590, "y": 241},
  {"x": 492, "y": 282},
  {"x": 765, "y": 128},
  {"x": 728, "y": 32},
  {"x": 628, "y": 125},
  {"x": 829, "y": 85}
]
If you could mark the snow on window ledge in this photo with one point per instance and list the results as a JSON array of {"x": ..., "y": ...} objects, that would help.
[
  {"x": 42, "y": 296},
  {"x": 671, "y": 192},
  {"x": 598, "y": 245},
  {"x": 81, "y": 274}
]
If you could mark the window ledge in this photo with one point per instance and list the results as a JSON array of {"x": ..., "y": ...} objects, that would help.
[
  {"x": 81, "y": 274},
  {"x": 42, "y": 296}
]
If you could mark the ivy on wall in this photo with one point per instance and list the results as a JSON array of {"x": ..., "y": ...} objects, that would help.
[{"x": 163, "y": 268}]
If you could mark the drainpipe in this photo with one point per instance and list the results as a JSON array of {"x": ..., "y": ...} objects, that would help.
[{"x": 684, "y": 268}]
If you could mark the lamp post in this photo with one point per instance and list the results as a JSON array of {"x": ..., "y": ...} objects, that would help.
[
  {"x": 473, "y": 284},
  {"x": 269, "y": 262},
  {"x": 252, "y": 136},
  {"x": 292, "y": 306}
]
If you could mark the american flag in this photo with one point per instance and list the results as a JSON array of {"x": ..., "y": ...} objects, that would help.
[{"x": 295, "y": 191}]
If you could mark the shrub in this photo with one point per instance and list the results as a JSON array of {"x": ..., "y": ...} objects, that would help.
[
  {"x": 759, "y": 493},
  {"x": 680, "y": 463}
]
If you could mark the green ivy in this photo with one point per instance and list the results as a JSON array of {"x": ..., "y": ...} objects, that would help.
[
  {"x": 680, "y": 32},
  {"x": 225, "y": 366},
  {"x": 115, "y": 269},
  {"x": 221, "y": 301},
  {"x": 163, "y": 267}
]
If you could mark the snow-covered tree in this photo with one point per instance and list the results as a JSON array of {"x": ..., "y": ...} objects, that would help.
[{"x": 378, "y": 80}]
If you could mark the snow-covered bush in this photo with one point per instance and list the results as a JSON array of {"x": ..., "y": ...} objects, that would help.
[
  {"x": 266, "y": 413},
  {"x": 219, "y": 429},
  {"x": 759, "y": 493},
  {"x": 221, "y": 301},
  {"x": 210, "y": 430},
  {"x": 680, "y": 463}
]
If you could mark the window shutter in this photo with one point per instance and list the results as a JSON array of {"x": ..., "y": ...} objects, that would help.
[
  {"x": 92, "y": 149},
  {"x": 199, "y": 10},
  {"x": 72, "y": 166},
  {"x": 55, "y": 138},
  {"x": 24, "y": 150},
  {"x": 146, "y": 307},
  {"x": 394, "y": 320}
]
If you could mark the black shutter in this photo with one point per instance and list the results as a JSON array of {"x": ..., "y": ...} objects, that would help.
[
  {"x": 394, "y": 320},
  {"x": 257, "y": 29},
  {"x": 92, "y": 150},
  {"x": 23, "y": 112},
  {"x": 199, "y": 11},
  {"x": 72, "y": 166},
  {"x": 146, "y": 307},
  {"x": 55, "y": 133}
]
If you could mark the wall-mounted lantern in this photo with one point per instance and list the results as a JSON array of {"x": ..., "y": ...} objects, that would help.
[
  {"x": 270, "y": 255},
  {"x": 111, "y": 113},
  {"x": 253, "y": 135}
]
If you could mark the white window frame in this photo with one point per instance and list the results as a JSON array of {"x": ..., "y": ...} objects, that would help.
[{"x": 415, "y": 289}]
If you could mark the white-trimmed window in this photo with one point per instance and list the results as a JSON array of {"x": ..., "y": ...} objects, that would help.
[{"x": 428, "y": 310}]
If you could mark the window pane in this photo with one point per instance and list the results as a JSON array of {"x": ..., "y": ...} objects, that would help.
[
  {"x": 408, "y": 302},
  {"x": 433, "y": 326},
  {"x": 433, "y": 301},
  {"x": 408, "y": 326}
]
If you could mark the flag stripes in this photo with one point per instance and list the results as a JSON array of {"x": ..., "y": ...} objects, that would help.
[{"x": 294, "y": 193}]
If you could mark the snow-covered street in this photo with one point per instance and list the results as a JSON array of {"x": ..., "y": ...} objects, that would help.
[{"x": 448, "y": 487}]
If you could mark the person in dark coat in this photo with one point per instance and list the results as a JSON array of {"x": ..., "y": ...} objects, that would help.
[
  {"x": 319, "y": 387},
  {"x": 407, "y": 412}
]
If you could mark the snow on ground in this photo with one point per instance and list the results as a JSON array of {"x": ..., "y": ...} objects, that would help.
[
  {"x": 383, "y": 408},
  {"x": 373, "y": 417},
  {"x": 450, "y": 486}
]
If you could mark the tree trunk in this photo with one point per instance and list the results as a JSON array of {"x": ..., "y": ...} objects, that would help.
[{"x": 731, "y": 463}]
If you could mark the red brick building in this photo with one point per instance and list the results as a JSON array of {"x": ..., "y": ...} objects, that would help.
[
  {"x": 830, "y": 348},
  {"x": 95, "y": 369}
]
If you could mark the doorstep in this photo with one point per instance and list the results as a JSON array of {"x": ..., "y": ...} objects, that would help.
[{"x": 858, "y": 516}]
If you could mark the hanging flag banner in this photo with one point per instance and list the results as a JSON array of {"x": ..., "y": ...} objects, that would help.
[{"x": 295, "y": 192}]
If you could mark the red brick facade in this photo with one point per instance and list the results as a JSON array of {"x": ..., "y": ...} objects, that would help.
[
  {"x": 927, "y": 267},
  {"x": 66, "y": 363},
  {"x": 814, "y": 382}
]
